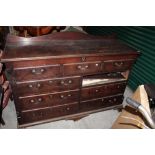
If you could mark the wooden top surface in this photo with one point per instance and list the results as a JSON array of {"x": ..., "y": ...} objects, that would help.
[{"x": 62, "y": 44}]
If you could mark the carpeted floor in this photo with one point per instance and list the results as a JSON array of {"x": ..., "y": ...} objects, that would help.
[{"x": 100, "y": 120}]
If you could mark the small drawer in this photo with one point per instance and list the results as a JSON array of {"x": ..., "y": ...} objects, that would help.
[
  {"x": 102, "y": 91},
  {"x": 47, "y": 86},
  {"x": 117, "y": 66},
  {"x": 101, "y": 103},
  {"x": 47, "y": 113},
  {"x": 82, "y": 68},
  {"x": 48, "y": 100},
  {"x": 37, "y": 73}
]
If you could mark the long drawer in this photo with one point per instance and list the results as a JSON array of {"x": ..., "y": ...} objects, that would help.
[
  {"x": 48, "y": 100},
  {"x": 101, "y": 102},
  {"x": 47, "y": 86},
  {"x": 102, "y": 91},
  {"x": 47, "y": 113},
  {"x": 37, "y": 72}
]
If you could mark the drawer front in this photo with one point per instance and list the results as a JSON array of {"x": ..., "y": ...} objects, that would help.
[
  {"x": 114, "y": 65},
  {"x": 102, "y": 91},
  {"x": 43, "y": 114},
  {"x": 37, "y": 73},
  {"x": 42, "y": 101},
  {"x": 82, "y": 68},
  {"x": 47, "y": 86},
  {"x": 101, "y": 103}
]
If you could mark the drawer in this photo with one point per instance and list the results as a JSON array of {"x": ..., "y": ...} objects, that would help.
[
  {"x": 107, "y": 78},
  {"x": 120, "y": 65},
  {"x": 102, "y": 91},
  {"x": 37, "y": 73},
  {"x": 48, "y": 100},
  {"x": 82, "y": 68},
  {"x": 47, "y": 86},
  {"x": 101, "y": 103},
  {"x": 47, "y": 113}
]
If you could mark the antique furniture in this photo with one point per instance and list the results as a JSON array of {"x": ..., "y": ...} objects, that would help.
[
  {"x": 5, "y": 91},
  {"x": 4, "y": 30},
  {"x": 27, "y": 31},
  {"x": 66, "y": 75}
]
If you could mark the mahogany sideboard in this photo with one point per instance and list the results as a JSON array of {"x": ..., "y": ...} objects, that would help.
[{"x": 66, "y": 75}]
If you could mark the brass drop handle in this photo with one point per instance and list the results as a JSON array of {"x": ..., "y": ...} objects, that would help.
[
  {"x": 61, "y": 96},
  {"x": 69, "y": 95},
  {"x": 86, "y": 66},
  {"x": 33, "y": 71},
  {"x": 50, "y": 81},
  {"x": 62, "y": 82},
  {"x": 118, "y": 64},
  {"x": 96, "y": 65},
  {"x": 38, "y": 85},
  {"x": 36, "y": 71},
  {"x": 40, "y": 99},
  {"x": 32, "y": 101},
  {"x": 82, "y": 68},
  {"x": 68, "y": 108},
  {"x": 42, "y": 70},
  {"x": 70, "y": 81},
  {"x": 110, "y": 101},
  {"x": 30, "y": 85},
  {"x": 79, "y": 67},
  {"x": 115, "y": 99},
  {"x": 96, "y": 90}
]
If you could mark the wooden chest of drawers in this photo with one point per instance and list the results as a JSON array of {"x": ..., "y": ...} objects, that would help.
[{"x": 52, "y": 76}]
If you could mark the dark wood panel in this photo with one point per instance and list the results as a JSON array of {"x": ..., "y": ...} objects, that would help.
[
  {"x": 101, "y": 103},
  {"x": 48, "y": 100},
  {"x": 47, "y": 113},
  {"x": 47, "y": 86},
  {"x": 37, "y": 72},
  {"x": 82, "y": 68},
  {"x": 102, "y": 91}
]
